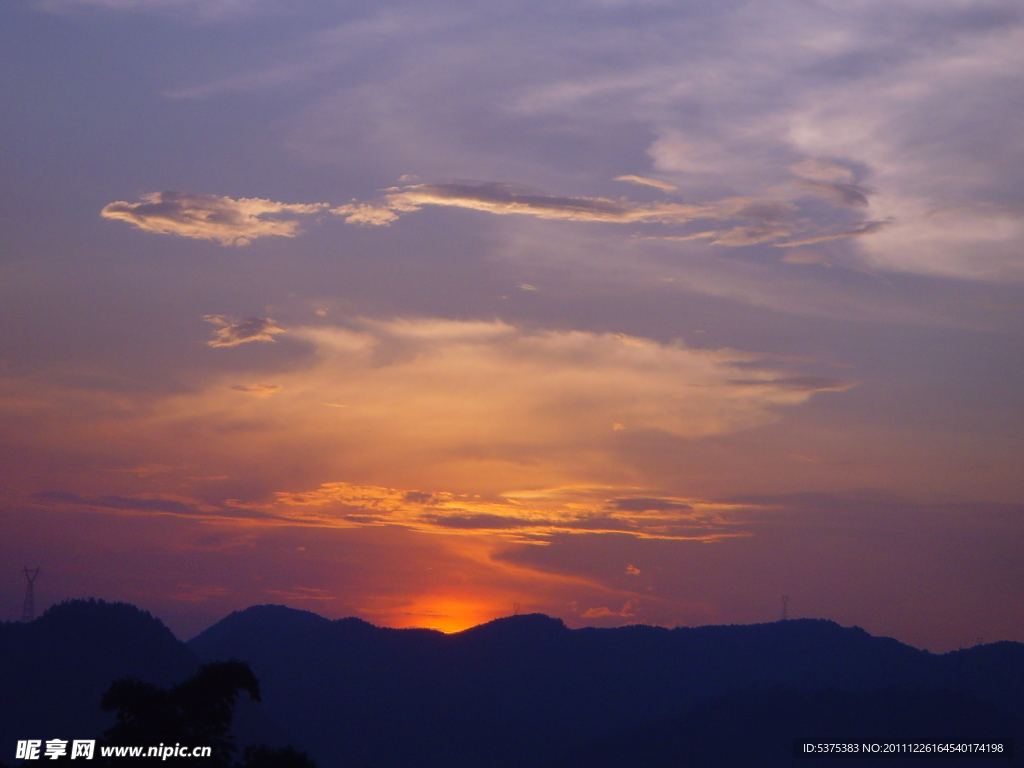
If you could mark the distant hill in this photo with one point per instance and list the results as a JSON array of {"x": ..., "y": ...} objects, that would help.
[
  {"x": 54, "y": 671},
  {"x": 521, "y": 690}
]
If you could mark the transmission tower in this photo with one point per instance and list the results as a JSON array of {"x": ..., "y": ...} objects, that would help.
[
  {"x": 785, "y": 607},
  {"x": 28, "y": 612}
]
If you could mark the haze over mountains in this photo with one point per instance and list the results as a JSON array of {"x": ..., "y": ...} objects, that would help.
[{"x": 518, "y": 691}]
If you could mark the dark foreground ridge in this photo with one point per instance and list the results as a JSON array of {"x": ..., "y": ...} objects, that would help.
[
  {"x": 55, "y": 670},
  {"x": 523, "y": 691}
]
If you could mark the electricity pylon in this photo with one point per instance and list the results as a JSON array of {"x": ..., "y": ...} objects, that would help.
[{"x": 28, "y": 611}]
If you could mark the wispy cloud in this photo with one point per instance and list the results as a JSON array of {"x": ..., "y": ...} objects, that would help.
[
  {"x": 830, "y": 180},
  {"x": 239, "y": 330},
  {"x": 366, "y": 213},
  {"x": 852, "y": 110},
  {"x": 523, "y": 516},
  {"x": 209, "y": 217},
  {"x": 138, "y": 504},
  {"x": 464, "y": 407},
  {"x": 843, "y": 194},
  {"x": 644, "y": 181},
  {"x": 256, "y": 390},
  {"x": 627, "y": 611},
  {"x": 750, "y": 235},
  {"x": 867, "y": 228},
  {"x": 238, "y": 222},
  {"x": 504, "y": 383},
  {"x": 503, "y": 199},
  {"x": 530, "y": 516},
  {"x": 799, "y": 383}
]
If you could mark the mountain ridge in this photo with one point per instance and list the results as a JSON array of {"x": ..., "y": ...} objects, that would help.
[
  {"x": 536, "y": 687},
  {"x": 519, "y": 690}
]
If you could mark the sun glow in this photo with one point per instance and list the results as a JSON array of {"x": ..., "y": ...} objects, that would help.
[{"x": 446, "y": 613}]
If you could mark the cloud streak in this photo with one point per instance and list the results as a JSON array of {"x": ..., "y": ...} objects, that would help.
[
  {"x": 531, "y": 516},
  {"x": 239, "y": 222},
  {"x": 233, "y": 331},
  {"x": 505, "y": 199},
  {"x": 209, "y": 217},
  {"x": 644, "y": 181},
  {"x": 256, "y": 390},
  {"x": 799, "y": 383},
  {"x": 727, "y": 105},
  {"x": 134, "y": 504},
  {"x": 867, "y": 228}
]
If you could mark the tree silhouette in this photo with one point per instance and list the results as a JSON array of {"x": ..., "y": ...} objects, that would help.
[{"x": 195, "y": 713}]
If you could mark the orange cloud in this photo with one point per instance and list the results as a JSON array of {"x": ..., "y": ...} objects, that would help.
[
  {"x": 643, "y": 180},
  {"x": 627, "y": 611},
  {"x": 475, "y": 410},
  {"x": 210, "y": 217},
  {"x": 526, "y": 516},
  {"x": 233, "y": 331},
  {"x": 500, "y": 198},
  {"x": 256, "y": 390},
  {"x": 238, "y": 222}
]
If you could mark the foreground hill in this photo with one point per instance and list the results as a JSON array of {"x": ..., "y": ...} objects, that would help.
[
  {"x": 522, "y": 690},
  {"x": 54, "y": 671},
  {"x": 754, "y": 727}
]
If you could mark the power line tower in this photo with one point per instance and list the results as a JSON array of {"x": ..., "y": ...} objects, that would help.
[
  {"x": 28, "y": 611},
  {"x": 785, "y": 607}
]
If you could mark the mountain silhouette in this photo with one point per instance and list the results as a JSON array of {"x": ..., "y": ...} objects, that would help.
[
  {"x": 522, "y": 690},
  {"x": 55, "y": 670}
]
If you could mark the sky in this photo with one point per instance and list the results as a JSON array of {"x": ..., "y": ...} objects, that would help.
[{"x": 624, "y": 311}]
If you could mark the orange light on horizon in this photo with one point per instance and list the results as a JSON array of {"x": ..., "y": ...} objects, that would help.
[{"x": 446, "y": 614}]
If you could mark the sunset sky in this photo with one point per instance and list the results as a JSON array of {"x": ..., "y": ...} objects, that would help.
[{"x": 624, "y": 311}]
